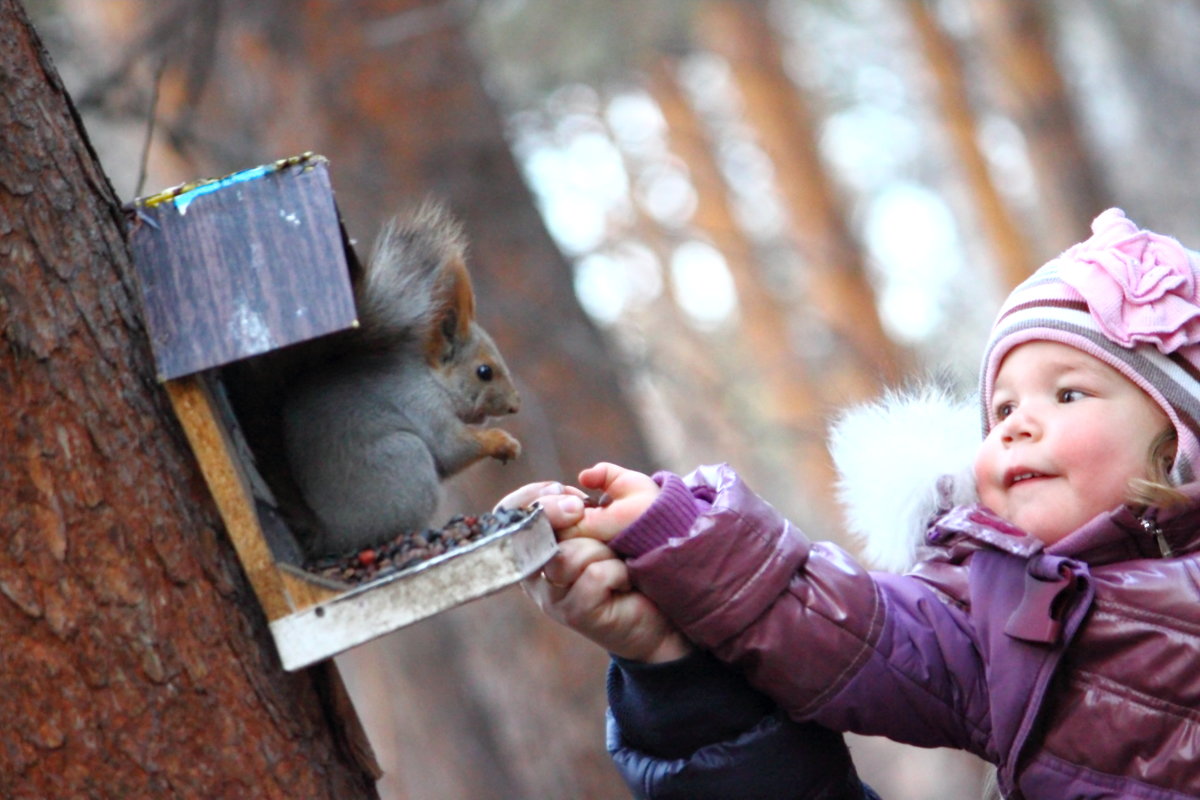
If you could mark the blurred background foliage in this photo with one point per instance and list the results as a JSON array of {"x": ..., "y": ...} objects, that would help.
[{"x": 698, "y": 229}]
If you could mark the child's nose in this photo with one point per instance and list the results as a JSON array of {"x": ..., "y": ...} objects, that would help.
[{"x": 1021, "y": 424}]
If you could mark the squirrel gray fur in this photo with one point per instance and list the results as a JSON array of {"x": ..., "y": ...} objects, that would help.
[{"x": 370, "y": 433}]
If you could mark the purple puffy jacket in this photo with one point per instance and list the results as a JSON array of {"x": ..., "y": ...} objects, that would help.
[{"x": 1076, "y": 670}]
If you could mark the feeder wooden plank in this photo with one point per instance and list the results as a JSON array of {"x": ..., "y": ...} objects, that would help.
[
  {"x": 210, "y": 442},
  {"x": 192, "y": 398},
  {"x": 242, "y": 265}
]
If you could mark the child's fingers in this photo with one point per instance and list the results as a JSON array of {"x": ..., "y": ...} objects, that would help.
[
  {"x": 585, "y": 604},
  {"x": 616, "y": 481},
  {"x": 571, "y": 566},
  {"x": 573, "y": 557},
  {"x": 596, "y": 584},
  {"x": 628, "y": 494},
  {"x": 527, "y": 494},
  {"x": 562, "y": 511},
  {"x": 531, "y": 492},
  {"x": 600, "y": 476}
]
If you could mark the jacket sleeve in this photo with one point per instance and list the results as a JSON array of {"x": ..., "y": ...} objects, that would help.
[
  {"x": 694, "y": 729},
  {"x": 825, "y": 639}
]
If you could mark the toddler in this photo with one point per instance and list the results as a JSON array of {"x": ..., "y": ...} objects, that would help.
[{"x": 1052, "y": 628}]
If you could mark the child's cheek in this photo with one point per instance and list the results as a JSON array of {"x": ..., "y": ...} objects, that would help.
[{"x": 986, "y": 482}]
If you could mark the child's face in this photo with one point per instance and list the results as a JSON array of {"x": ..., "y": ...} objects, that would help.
[{"x": 1071, "y": 433}]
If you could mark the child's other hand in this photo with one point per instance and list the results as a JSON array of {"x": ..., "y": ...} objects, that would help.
[
  {"x": 627, "y": 495},
  {"x": 585, "y": 586}
]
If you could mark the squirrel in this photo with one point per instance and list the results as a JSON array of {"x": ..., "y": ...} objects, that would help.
[{"x": 371, "y": 431}]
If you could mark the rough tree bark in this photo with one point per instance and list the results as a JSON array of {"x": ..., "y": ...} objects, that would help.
[
  {"x": 491, "y": 700},
  {"x": 134, "y": 660}
]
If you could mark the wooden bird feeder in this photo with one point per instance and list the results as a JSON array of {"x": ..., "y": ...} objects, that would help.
[{"x": 231, "y": 271}]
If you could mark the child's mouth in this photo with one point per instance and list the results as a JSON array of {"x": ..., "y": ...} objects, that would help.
[{"x": 1020, "y": 476}]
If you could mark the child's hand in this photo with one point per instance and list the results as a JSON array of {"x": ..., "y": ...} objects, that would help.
[
  {"x": 541, "y": 491},
  {"x": 562, "y": 505},
  {"x": 627, "y": 495},
  {"x": 585, "y": 586}
]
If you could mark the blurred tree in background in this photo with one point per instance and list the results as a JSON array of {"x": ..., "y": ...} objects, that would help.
[{"x": 698, "y": 229}]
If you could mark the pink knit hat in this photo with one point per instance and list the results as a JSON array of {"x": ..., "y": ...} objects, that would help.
[{"x": 1128, "y": 297}]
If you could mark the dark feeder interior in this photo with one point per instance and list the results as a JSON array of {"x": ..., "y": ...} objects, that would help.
[{"x": 242, "y": 280}]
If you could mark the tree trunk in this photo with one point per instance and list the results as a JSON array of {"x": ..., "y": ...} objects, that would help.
[
  {"x": 1032, "y": 91},
  {"x": 835, "y": 280},
  {"x": 491, "y": 700},
  {"x": 1014, "y": 260},
  {"x": 791, "y": 404},
  {"x": 135, "y": 660}
]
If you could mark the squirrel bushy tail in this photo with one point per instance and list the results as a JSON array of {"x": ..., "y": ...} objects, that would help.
[{"x": 415, "y": 287}]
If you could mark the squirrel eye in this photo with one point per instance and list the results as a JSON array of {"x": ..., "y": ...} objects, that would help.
[{"x": 484, "y": 372}]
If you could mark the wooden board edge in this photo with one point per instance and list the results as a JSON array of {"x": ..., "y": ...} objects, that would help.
[{"x": 193, "y": 405}]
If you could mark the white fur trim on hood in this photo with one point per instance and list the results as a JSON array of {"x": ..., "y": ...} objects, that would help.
[{"x": 901, "y": 460}]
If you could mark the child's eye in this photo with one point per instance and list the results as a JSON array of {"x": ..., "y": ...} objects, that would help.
[
  {"x": 1069, "y": 395},
  {"x": 1004, "y": 410}
]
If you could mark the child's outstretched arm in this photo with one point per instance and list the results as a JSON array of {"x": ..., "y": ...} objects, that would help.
[{"x": 728, "y": 737}]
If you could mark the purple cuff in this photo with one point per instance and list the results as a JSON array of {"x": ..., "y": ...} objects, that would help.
[{"x": 670, "y": 516}]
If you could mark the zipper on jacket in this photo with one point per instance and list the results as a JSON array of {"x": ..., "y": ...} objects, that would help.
[{"x": 1150, "y": 527}]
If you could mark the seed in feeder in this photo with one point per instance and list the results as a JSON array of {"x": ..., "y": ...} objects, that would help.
[{"x": 409, "y": 549}]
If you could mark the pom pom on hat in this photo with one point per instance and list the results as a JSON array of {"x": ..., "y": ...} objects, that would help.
[
  {"x": 1130, "y": 298},
  {"x": 900, "y": 461}
]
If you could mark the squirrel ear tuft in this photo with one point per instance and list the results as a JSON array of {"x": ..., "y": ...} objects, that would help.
[
  {"x": 454, "y": 310},
  {"x": 461, "y": 296}
]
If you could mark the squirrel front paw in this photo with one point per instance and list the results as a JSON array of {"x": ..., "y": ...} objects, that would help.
[{"x": 500, "y": 445}]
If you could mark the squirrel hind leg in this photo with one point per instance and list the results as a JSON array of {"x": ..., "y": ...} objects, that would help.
[{"x": 389, "y": 489}]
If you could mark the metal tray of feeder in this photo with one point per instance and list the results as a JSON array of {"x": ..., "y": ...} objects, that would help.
[{"x": 360, "y": 612}]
